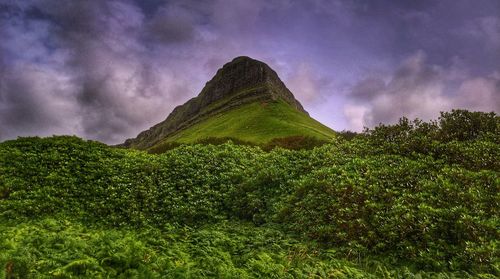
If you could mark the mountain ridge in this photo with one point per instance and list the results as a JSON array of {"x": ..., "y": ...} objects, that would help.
[{"x": 239, "y": 82}]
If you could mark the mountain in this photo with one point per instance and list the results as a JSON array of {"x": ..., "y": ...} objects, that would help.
[{"x": 245, "y": 100}]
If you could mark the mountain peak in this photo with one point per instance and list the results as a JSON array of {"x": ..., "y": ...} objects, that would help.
[
  {"x": 246, "y": 60},
  {"x": 243, "y": 59},
  {"x": 243, "y": 80},
  {"x": 245, "y": 73}
]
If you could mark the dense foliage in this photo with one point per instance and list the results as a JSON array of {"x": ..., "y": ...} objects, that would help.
[
  {"x": 405, "y": 200},
  {"x": 291, "y": 142}
]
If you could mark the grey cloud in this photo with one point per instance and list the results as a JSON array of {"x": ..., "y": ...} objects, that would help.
[
  {"x": 172, "y": 24},
  {"x": 418, "y": 89},
  {"x": 32, "y": 101},
  {"x": 117, "y": 83},
  {"x": 33, "y": 96},
  {"x": 479, "y": 93},
  {"x": 414, "y": 72},
  {"x": 107, "y": 70},
  {"x": 22, "y": 106},
  {"x": 105, "y": 56},
  {"x": 239, "y": 17},
  {"x": 367, "y": 89},
  {"x": 306, "y": 84}
]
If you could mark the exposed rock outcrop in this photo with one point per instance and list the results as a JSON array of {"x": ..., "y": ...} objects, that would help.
[{"x": 241, "y": 81}]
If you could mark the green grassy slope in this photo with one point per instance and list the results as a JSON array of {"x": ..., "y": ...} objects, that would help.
[{"x": 255, "y": 122}]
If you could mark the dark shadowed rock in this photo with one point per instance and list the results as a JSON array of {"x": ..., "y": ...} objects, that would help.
[{"x": 241, "y": 81}]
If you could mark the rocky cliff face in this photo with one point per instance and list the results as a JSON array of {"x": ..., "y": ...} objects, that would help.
[{"x": 241, "y": 81}]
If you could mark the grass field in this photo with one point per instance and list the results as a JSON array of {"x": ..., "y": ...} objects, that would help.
[{"x": 257, "y": 123}]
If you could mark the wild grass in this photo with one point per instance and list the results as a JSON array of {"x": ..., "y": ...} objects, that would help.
[{"x": 257, "y": 123}]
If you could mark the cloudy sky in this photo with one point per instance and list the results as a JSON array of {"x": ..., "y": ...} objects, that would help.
[{"x": 106, "y": 70}]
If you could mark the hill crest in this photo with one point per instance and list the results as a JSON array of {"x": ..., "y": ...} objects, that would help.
[{"x": 242, "y": 81}]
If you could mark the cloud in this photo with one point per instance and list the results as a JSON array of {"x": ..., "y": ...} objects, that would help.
[
  {"x": 368, "y": 89},
  {"x": 480, "y": 93},
  {"x": 107, "y": 70},
  {"x": 356, "y": 115},
  {"x": 33, "y": 100},
  {"x": 238, "y": 18},
  {"x": 117, "y": 84},
  {"x": 490, "y": 26},
  {"x": 127, "y": 65},
  {"x": 172, "y": 24},
  {"x": 485, "y": 29},
  {"x": 306, "y": 84},
  {"x": 107, "y": 65},
  {"x": 418, "y": 89},
  {"x": 35, "y": 94}
]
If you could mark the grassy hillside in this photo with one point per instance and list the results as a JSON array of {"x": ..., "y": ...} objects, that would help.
[
  {"x": 255, "y": 122},
  {"x": 242, "y": 81},
  {"x": 412, "y": 200}
]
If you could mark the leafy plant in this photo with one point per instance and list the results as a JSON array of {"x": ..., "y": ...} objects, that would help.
[{"x": 415, "y": 199}]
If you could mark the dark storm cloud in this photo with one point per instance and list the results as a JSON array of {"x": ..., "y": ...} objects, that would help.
[
  {"x": 105, "y": 58},
  {"x": 113, "y": 79},
  {"x": 25, "y": 108},
  {"x": 32, "y": 102},
  {"x": 27, "y": 89},
  {"x": 126, "y": 71},
  {"x": 107, "y": 70}
]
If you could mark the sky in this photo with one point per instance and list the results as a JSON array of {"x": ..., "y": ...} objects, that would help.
[{"x": 107, "y": 70}]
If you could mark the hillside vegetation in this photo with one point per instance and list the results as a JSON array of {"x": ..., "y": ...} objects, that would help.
[
  {"x": 240, "y": 82},
  {"x": 257, "y": 122},
  {"x": 411, "y": 200}
]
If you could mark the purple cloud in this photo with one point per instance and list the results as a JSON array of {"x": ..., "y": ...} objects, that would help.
[
  {"x": 419, "y": 89},
  {"x": 107, "y": 70}
]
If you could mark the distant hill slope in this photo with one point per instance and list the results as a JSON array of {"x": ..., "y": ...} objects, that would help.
[
  {"x": 245, "y": 100},
  {"x": 257, "y": 122}
]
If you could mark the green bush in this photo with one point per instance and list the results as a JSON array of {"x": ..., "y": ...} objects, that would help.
[
  {"x": 419, "y": 195},
  {"x": 294, "y": 143},
  {"x": 417, "y": 211},
  {"x": 91, "y": 181}
]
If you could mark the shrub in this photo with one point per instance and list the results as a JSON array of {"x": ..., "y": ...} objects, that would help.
[
  {"x": 294, "y": 143},
  {"x": 416, "y": 193}
]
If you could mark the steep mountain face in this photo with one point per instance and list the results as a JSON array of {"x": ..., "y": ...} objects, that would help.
[{"x": 242, "y": 81}]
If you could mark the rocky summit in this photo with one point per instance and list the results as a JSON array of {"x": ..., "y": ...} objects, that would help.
[{"x": 243, "y": 80}]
